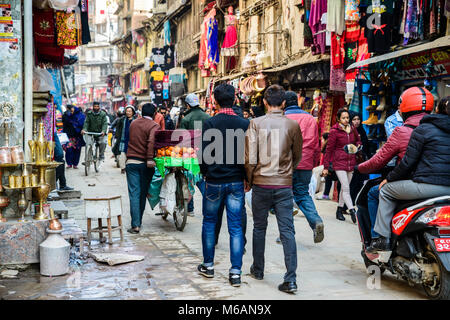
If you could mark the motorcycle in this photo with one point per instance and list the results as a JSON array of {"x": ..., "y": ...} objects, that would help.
[{"x": 420, "y": 242}]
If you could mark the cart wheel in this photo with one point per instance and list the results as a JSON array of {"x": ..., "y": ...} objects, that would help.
[{"x": 181, "y": 210}]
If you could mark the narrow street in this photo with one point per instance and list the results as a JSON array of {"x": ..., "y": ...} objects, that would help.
[{"x": 332, "y": 269}]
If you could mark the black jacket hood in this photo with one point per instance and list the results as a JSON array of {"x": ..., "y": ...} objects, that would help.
[{"x": 442, "y": 121}]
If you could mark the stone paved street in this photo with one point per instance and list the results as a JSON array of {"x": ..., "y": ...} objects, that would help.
[{"x": 332, "y": 269}]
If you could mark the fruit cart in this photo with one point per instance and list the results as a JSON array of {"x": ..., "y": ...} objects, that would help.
[{"x": 177, "y": 171}]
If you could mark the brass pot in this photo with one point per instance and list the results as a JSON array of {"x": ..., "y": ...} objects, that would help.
[{"x": 41, "y": 194}]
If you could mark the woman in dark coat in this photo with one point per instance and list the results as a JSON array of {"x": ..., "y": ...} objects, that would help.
[
  {"x": 122, "y": 135},
  {"x": 73, "y": 121},
  {"x": 342, "y": 136}
]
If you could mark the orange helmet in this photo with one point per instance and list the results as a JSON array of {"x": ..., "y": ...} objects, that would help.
[{"x": 416, "y": 99}]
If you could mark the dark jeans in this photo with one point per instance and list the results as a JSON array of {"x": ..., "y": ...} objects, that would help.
[
  {"x": 73, "y": 156},
  {"x": 281, "y": 200},
  {"x": 231, "y": 195},
  {"x": 219, "y": 222},
  {"x": 60, "y": 170},
  {"x": 357, "y": 183},
  {"x": 139, "y": 178},
  {"x": 300, "y": 188},
  {"x": 372, "y": 204},
  {"x": 200, "y": 185}
]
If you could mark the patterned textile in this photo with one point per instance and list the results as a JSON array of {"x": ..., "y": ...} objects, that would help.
[
  {"x": 49, "y": 122},
  {"x": 325, "y": 114},
  {"x": 351, "y": 10},
  {"x": 68, "y": 29},
  {"x": 228, "y": 111},
  {"x": 337, "y": 50},
  {"x": 411, "y": 24},
  {"x": 43, "y": 26},
  {"x": 337, "y": 79}
]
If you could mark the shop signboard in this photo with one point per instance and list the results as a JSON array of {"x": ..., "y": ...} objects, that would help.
[{"x": 412, "y": 66}]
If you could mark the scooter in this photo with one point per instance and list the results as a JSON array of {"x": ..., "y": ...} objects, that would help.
[{"x": 420, "y": 242}]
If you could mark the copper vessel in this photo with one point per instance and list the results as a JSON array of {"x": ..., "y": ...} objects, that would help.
[
  {"x": 54, "y": 222},
  {"x": 4, "y": 202},
  {"x": 17, "y": 154},
  {"x": 5, "y": 155}
]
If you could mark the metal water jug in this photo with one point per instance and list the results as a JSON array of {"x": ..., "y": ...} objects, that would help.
[{"x": 54, "y": 254}]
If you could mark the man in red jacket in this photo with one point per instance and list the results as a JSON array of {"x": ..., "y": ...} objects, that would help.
[
  {"x": 395, "y": 146},
  {"x": 140, "y": 165},
  {"x": 310, "y": 158}
]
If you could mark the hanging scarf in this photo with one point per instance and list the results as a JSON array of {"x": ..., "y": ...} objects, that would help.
[
  {"x": 68, "y": 29},
  {"x": 43, "y": 26}
]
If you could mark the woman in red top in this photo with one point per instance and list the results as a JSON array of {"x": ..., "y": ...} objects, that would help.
[{"x": 342, "y": 136}]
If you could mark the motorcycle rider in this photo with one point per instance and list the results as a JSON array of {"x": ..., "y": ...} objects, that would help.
[
  {"x": 428, "y": 156},
  {"x": 410, "y": 109}
]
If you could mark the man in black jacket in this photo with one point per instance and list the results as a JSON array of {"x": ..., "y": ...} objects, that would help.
[
  {"x": 223, "y": 168},
  {"x": 428, "y": 156}
]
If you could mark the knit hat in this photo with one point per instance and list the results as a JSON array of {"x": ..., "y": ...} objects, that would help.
[
  {"x": 131, "y": 107},
  {"x": 291, "y": 98}
]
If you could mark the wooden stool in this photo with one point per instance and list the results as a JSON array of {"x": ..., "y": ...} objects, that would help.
[{"x": 103, "y": 208}]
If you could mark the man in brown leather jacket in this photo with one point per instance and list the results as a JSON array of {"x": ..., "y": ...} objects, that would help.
[{"x": 273, "y": 149}]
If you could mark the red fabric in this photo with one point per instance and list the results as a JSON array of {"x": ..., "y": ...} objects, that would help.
[
  {"x": 44, "y": 26},
  {"x": 335, "y": 153},
  {"x": 310, "y": 134},
  {"x": 228, "y": 111},
  {"x": 352, "y": 31},
  {"x": 395, "y": 146},
  {"x": 337, "y": 50}
]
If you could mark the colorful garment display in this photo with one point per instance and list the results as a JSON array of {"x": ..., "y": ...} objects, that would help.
[
  {"x": 209, "y": 47},
  {"x": 230, "y": 40},
  {"x": 84, "y": 16},
  {"x": 351, "y": 10},
  {"x": 412, "y": 21},
  {"x": 337, "y": 50},
  {"x": 318, "y": 8},
  {"x": 68, "y": 29},
  {"x": 307, "y": 33}
]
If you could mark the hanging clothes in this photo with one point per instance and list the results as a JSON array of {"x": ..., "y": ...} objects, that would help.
[
  {"x": 46, "y": 52},
  {"x": 337, "y": 50},
  {"x": 335, "y": 16},
  {"x": 68, "y": 29},
  {"x": 84, "y": 16},
  {"x": 307, "y": 33},
  {"x": 351, "y": 10},
  {"x": 412, "y": 21},
  {"x": 318, "y": 8},
  {"x": 213, "y": 45},
  {"x": 337, "y": 79},
  {"x": 230, "y": 40},
  {"x": 167, "y": 40}
]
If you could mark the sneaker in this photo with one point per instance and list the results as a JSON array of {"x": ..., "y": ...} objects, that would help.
[
  {"x": 66, "y": 188},
  {"x": 207, "y": 272},
  {"x": 318, "y": 233},
  {"x": 191, "y": 214},
  {"x": 288, "y": 287},
  {"x": 69, "y": 167},
  {"x": 255, "y": 275},
  {"x": 235, "y": 280},
  {"x": 75, "y": 167}
]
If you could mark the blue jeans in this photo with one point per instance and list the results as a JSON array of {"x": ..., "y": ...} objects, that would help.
[
  {"x": 220, "y": 218},
  {"x": 300, "y": 188},
  {"x": 139, "y": 178},
  {"x": 232, "y": 195},
  {"x": 373, "y": 198},
  {"x": 281, "y": 200},
  {"x": 200, "y": 185}
]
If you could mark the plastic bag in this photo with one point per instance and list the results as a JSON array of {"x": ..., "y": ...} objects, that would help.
[
  {"x": 155, "y": 189},
  {"x": 63, "y": 4},
  {"x": 312, "y": 186},
  {"x": 42, "y": 80},
  {"x": 167, "y": 194}
]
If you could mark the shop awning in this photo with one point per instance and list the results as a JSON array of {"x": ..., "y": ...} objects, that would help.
[
  {"x": 307, "y": 58},
  {"x": 438, "y": 43}
]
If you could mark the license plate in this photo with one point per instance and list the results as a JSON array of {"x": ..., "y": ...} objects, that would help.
[{"x": 442, "y": 245}]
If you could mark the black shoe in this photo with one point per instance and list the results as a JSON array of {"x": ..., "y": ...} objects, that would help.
[
  {"x": 288, "y": 287},
  {"x": 379, "y": 244},
  {"x": 353, "y": 215},
  {"x": 340, "y": 214},
  {"x": 235, "y": 280},
  {"x": 207, "y": 272},
  {"x": 133, "y": 231},
  {"x": 254, "y": 274}
]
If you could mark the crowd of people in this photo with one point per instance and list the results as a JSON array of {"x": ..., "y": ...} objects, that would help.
[{"x": 271, "y": 157}]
